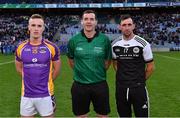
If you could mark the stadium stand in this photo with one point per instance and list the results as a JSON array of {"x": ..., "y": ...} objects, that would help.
[{"x": 160, "y": 30}]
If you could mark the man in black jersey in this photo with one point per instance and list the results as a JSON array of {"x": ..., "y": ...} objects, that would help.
[{"x": 133, "y": 63}]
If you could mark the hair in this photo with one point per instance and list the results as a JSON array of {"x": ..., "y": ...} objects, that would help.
[
  {"x": 88, "y": 12},
  {"x": 124, "y": 17},
  {"x": 34, "y": 16}
]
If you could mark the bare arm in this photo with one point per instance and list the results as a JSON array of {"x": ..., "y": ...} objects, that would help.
[
  {"x": 107, "y": 64},
  {"x": 71, "y": 63},
  {"x": 56, "y": 69},
  {"x": 115, "y": 65},
  {"x": 149, "y": 69},
  {"x": 18, "y": 67}
]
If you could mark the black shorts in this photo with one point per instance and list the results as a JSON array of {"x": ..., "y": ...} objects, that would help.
[
  {"x": 136, "y": 96},
  {"x": 83, "y": 94}
]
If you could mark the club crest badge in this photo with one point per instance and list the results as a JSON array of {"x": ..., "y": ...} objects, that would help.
[
  {"x": 34, "y": 50},
  {"x": 136, "y": 50}
]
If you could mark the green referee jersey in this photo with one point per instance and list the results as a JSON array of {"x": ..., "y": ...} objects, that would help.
[{"x": 89, "y": 57}]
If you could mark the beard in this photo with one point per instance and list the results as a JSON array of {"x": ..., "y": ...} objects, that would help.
[{"x": 127, "y": 34}]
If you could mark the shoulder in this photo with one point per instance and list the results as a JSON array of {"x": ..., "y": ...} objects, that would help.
[
  {"x": 141, "y": 40},
  {"x": 46, "y": 41},
  {"x": 22, "y": 44},
  {"x": 76, "y": 37},
  {"x": 103, "y": 37},
  {"x": 100, "y": 34},
  {"x": 116, "y": 40},
  {"x": 50, "y": 44}
]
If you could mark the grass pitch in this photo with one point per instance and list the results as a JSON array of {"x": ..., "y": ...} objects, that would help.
[{"x": 163, "y": 87}]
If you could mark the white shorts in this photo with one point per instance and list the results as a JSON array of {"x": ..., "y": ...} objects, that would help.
[{"x": 31, "y": 106}]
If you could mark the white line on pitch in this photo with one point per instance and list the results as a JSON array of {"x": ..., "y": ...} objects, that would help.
[
  {"x": 4, "y": 63},
  {"x": 168, "y": 57}
]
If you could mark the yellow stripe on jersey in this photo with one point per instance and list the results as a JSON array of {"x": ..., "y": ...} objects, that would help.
[
  {"x": 22, "y": 87},
  {"x": 52, "y": 49},
  {"x": 18, "y": 51},
  {"x": 50, "y": 81}
]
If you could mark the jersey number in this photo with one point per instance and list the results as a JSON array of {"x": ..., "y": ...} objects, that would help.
[{"x": 125, "y": 50}]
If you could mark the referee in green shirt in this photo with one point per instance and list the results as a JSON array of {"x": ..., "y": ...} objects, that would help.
[{"x": 90, "y": 55}]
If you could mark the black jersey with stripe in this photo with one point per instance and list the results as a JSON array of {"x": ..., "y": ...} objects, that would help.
[{"x": 131, "y": 56}]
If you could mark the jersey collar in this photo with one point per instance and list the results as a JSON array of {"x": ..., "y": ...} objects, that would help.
[
  {"x": 89, "y": 39},
  {"x": 36, "y": 45},
  {"x": 129, "y": 39}
]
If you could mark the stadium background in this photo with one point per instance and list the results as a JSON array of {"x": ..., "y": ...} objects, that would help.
[{"x": 158, "y": 21}]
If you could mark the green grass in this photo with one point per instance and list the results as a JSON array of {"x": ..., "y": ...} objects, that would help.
[{"x": 163, "y": 87}]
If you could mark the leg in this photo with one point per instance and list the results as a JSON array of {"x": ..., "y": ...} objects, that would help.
[
  {"x": 54, "y": 107},
  {"x": 50, "y": 116},
  {"x": 140, "y": 102},
  {"x": 100, "y": 99},
  {"x": 80, "y": 99},
  {"x": 27, "y": 109},
  {"x": 45, "y": 106},
  {"x": 27, "y": 116},
  {"x": 123, "y": 104},
  {"x": 83, "y": 116},
  {"x": 102, "y": 116}
]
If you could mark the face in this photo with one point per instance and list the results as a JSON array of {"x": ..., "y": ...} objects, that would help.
[
  {"x": 127, "y": 26},
  {"x": 89, "y": 22},
  {"x": 36, "y": 28}
]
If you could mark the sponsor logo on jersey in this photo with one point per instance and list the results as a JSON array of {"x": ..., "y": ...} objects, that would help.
[
  {"x": 42, "y": 50},
  {"x": 35, "y": 65},
  {"x": 117, "y": 50},
  {"x": 136, "y": 50},
  {"x": 98, "y": 49},
  {"x": 126, "y": 44},
  {"x": 34, "y": 60},
  {"x": 27, "y": 49},
  {"x": 79, "y": 48}
]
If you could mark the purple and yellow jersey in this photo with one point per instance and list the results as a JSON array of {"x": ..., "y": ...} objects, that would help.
[{"x": 37, "y": 68}]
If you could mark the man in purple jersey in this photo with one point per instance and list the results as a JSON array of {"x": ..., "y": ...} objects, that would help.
[{"x": 37, "y": 61}]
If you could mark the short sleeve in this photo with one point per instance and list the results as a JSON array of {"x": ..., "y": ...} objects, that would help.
[
  {"x": 108, "y": 53},
  {"x": 147, "y": 53},
  {"x": 17, "y": 55},
  {"x": 70, "y": 49},
  {"x": 113, "y": 54},
  {"x": 57, "y": 54},
  {"x": 18, "y": 51}
]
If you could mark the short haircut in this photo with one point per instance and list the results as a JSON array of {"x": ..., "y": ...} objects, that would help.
[
  {"x": 124, "y": 17},
  {"x": 88, "y": 12},
  {"x": 37, "y": 16}
]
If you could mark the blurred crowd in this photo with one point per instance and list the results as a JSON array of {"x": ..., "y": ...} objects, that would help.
[{"x": 158, "y": 29}]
